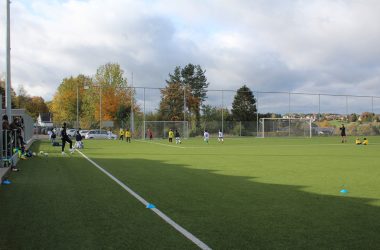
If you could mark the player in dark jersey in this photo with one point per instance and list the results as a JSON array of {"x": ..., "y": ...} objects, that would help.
[
  {"x": 65, "y": 138},
  {"x": 343, "y": 133}
]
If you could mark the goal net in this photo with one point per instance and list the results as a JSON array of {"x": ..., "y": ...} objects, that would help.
[
  {"x": 285, "y": 127},
  {"x": 160, "y": 129}
]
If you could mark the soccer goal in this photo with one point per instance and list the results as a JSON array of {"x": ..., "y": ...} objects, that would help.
[
  {"x": 285, "y": 127},
  {"x": 160, "y": 129}
]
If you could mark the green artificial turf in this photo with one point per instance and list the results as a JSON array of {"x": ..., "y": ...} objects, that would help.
[{"x": 247, "y": 193}]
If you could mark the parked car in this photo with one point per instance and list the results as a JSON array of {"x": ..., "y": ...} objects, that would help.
[
  {"x": 71, "y": 132},
  {"x": 97, "y": 134},
  {"x": 83, "y": 132}
]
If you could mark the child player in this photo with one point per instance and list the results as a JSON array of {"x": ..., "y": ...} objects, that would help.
[
  {"x": 171, "y": 135},
  {"x": 206, "y": 136},
  {"x": 220, "y": 136},
  {"x": 177, "y": 137},
  {"x": 121, "y": 133},
  {"x": 127, "y": 135},
  {"x": 78, "y": 140},
  {"x": 358, "y": 142},
  {"x": 365, "y": 141}
]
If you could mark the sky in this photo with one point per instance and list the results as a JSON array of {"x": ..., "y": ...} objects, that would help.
[{"x": 313, "y": 46}]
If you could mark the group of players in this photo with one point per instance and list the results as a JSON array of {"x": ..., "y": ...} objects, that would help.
[
  {"x": 206, "y": 136},
  {"x": 344, "y": 138},
  {"x": 125, "y": 133}
]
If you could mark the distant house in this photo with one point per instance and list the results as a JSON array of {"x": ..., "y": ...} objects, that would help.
[{"x": 45, "y": 120}]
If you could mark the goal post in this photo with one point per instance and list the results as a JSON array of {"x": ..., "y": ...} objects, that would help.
[
  {"x": 285, "y": 127},
  {"x": 160, "y": 129}
]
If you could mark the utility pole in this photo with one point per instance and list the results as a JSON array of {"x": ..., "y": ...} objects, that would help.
[
  {"x": 8, "y": 64},
  {"x": 132, "y": 113}
]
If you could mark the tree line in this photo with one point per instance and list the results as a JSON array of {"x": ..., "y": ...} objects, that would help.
[
  {"x": 33, "y": 105},
  {"x": 107, "y": 96}
]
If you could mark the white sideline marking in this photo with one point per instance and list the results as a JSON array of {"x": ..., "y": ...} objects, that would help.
[{"x": 180, "y": 229}]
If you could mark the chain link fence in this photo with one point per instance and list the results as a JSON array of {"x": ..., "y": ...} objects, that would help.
[{"x": 327, "y": 112}]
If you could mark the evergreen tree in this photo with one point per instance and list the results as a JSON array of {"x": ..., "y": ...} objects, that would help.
[
  {"x": 244, "y": 105},
  {"x": 194, "y": 83},
  {"x": 171, "y": 105}
]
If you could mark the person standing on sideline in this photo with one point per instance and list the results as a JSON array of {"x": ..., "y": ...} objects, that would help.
[
  {"x": 121, "y": 133},
  {"x": 220, "y": 136},
  {"x": 65, "y": 138},
  {"x": 177, "y": 137},
  {"x": 150, "y": 134},
  {"x": 171, "y": 135},
  {"x": 343, "y": 133},
  {"x": 78, "y": 140},
  {"x": 206, "y": 136},
  {"x": 127, "y": 135}
]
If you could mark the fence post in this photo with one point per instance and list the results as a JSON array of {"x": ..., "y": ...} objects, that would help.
[
  {"x": 289, "y": 114},
  {"x": 240, "y": 128},
  {"x": 222, "y": 112},
  {"x": 143, "y": 132},
  {"x": 319, "y": 107},
  {"x": 347, "y": 107}
]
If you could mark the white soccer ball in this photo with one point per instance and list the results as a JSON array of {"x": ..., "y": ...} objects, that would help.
[{"x": 34, "y": 154}]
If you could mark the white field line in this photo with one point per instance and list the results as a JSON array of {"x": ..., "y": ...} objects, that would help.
[
  {"x": 173, "y": 146},
  {"x": 257, "y": 145},
  {"x": 180, "y": 229},
  {"x": 168, "y": 145}
]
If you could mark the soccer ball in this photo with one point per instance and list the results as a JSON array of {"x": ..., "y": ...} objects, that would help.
[{"x": 34, "y": 154}]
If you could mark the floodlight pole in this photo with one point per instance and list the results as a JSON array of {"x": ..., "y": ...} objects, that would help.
[
  {"x": 319, "y": 107},
  {"x": 77, "y": 106},
  {"x": 8, "y": 63},
  {"x": 143, "y": 132},
  {"x": 184, "y": 110},
  {"x": 222, "y": 112},
  {"x": 132, "y": 113},
  {"x": 100, "y": 109},
  {"x": 289, "y": 114}
]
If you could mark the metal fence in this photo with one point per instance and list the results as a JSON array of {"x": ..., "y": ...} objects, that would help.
[
  {"x": 16, "y": 137},
  {"x": 316, "y": 106}
]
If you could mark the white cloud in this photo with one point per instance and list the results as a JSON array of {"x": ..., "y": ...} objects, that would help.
[{"x": 328, "y": 46}]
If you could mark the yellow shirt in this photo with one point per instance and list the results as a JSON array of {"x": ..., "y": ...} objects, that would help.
[
  {"x": 171, "y": 134},
  {"x": 121, "y": 132},
  {"x": 127, "y": 133},
  {"x": 357, "y": 142},
  {"x": 365, "y": 142}
]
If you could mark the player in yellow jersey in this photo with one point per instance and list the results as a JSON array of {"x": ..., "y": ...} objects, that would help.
[
  {"x": 171, "y": 135},
  {"x": 127, "y": 135},
  {"x": 365, "y": 141},
  {"x": 358, "y": 142},
  {"x": 121, "y": 133}
]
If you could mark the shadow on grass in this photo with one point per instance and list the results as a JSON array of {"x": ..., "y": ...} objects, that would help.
[
  {"x": 226, "y": 212},
  {"x": 236, "y": 212}
]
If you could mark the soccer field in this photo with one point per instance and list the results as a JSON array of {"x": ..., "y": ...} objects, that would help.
[{"x": 247, "y": 193}]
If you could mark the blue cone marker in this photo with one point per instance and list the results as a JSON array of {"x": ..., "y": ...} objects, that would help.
[
  {"x": 344, "y": 191},
  {"x": 150, "y": 206},
  {"x": 6, "y": 182}
]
